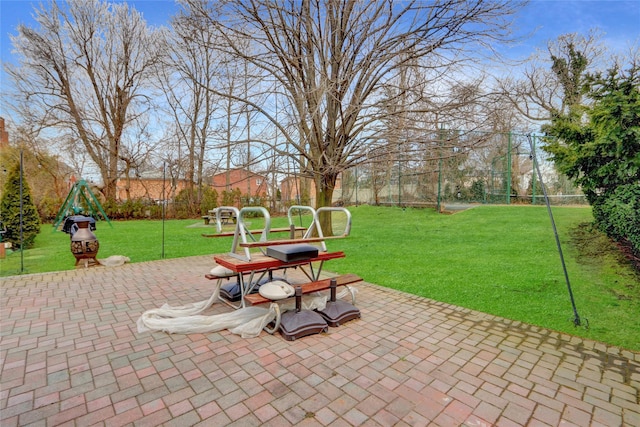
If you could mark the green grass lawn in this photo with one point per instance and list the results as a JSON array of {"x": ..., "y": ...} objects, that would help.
[{"x": 500, "y": 260}]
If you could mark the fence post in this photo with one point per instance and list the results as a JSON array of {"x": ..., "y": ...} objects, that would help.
[
  {"x": 533, "y": 170},
  {"x": 508, "y": 175},
  {"x": 399, "y": 180},
  {"x": 440, "y": 137}
]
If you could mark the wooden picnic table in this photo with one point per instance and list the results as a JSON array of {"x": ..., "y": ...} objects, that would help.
[
  {"x": 225, "y": 216},
  {"x": 261, "y": 265},
  {"x": 241, "y": 261},
  {"x": 260, "y": 262}
]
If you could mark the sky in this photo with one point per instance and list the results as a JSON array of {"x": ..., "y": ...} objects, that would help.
[
  {"x": 618, "y": 20},
  {"x": 547, "y": 19}
]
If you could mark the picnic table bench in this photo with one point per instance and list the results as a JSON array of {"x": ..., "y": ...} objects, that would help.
[
  {"x": 291, "y": 230},
  {"x": 309, "y": 287},
  {"x": 225, "y": 216},
  {"x": 263, "y": 263}
]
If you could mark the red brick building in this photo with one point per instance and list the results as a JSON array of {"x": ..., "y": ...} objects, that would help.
[
  {"x": 154, "y": 186},
  {"x": 149, "y": 186},
  {"x": 247, "y": 182}
]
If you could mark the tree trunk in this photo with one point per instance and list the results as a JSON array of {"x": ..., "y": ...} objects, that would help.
[{"x": 324, "y": 197}]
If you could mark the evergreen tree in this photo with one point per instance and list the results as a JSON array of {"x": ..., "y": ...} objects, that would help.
[
  {"x": 602, "y": 152},
  {"x": 10, "y": 211}
]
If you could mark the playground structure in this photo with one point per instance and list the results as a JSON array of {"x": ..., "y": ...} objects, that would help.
[{"x": 80, "y": 200}]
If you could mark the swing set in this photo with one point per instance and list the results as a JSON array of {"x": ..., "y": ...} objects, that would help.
[{"x": 80, "y": 199}]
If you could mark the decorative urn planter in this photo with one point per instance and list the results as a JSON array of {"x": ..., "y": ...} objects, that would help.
[{"x": 84, "y": 244}]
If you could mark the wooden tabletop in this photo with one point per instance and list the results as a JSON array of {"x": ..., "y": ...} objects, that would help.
[{"x": 262, "y": 262}]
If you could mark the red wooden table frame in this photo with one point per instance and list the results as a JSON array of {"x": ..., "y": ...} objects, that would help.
[{"x": 261, "y": 264}]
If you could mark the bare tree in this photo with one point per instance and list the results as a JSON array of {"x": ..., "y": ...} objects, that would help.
[
  {"x": 332, "y": 58},
  {"x": 231, "y": 122},
  {"x": 422, "y": 104},
  {"x": 137, "y": 158},
  {"x": 552, "y": 81},
  {"x": 241, "y": 135},
  {"x": 187, "y": 69},
  {"x": 83, "y": 71}
]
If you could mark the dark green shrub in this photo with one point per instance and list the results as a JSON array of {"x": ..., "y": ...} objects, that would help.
[
  {"x": 111, "y": 208},
  {"x": 478, "y": 191},
  {"x": 48, "y": 208},
  {"x": 231, "y": 198},
  {"x": 127, "y": 209},
  {"x": 618, "y": 215},
  {"x": 252, "y": 201},
  {"x": 186, "y": 204},
  {"x": 10, "y": 211},
  {"x": 142, "y": 208},
  {"x": 209, "y": 200}
]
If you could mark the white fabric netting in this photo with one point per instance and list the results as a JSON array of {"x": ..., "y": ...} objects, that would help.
[{"x": 247, "y": 322}]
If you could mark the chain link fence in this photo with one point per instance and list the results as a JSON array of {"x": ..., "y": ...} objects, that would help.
[{"x": 453, "y": 167}]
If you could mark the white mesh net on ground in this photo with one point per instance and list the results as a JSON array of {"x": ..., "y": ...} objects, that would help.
[{"x": 247, "y": 322}]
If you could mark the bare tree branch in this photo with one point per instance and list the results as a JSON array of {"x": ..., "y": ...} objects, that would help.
[
  {"x": 85, "y": 69},
  {"x": 333, "y": 59}
]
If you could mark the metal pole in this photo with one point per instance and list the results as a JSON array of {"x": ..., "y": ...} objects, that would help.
[
  {"x": 356, "y": 186},
  {"x": 576, "y": 316},
  {"x": 389, "y": 172},
  {"x": 21, "y": 216},
  {"x": 439, "y": 180},
  {"x": 440, "y": 138},
  {"x": 164, "y": 201},
  {"x": 533, "y": 178},
  {"x": 399, "y": 182},
  {"x": 508, "y": 175}
]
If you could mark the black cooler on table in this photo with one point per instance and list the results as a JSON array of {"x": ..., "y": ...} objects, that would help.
[{"x": 292, "y": 253}]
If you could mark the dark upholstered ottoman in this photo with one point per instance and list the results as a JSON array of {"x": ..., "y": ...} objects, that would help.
[{"x": 292, "y": 253}]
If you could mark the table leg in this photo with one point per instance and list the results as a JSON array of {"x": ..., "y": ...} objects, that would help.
[
  {"x": 247, "y": 287},
  {"x": 313, "y": 275}
]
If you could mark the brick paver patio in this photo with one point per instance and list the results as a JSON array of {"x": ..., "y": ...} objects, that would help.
[{"x": 71, "y": 355}]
